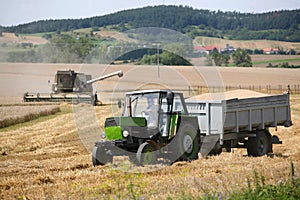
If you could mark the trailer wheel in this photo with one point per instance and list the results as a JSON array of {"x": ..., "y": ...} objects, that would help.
[
  {"x": 188, "y": 142},
  {"x": 259, "y": 145},
  {"x": 146, "y": 154},
  {"x": 99, "y": 157}
]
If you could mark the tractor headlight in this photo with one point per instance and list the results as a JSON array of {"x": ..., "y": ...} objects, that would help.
[
  {"x": 103, "y": 135},
  {"x": 76, "y": 89},
  {"x": 125, "y": 133}
]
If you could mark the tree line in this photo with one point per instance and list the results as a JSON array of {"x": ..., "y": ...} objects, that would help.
[
  {"x": 86, "y": 48},
  {"x": 62, "y": 48},
  {"x": 76, "y": 48},
  {"x": 281, "y": 25}
]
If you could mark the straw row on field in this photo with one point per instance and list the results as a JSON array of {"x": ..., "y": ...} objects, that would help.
[{"x": 10, "y": 115}]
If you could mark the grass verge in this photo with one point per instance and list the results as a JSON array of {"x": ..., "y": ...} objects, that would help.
[{"x": 284, "y": 190}]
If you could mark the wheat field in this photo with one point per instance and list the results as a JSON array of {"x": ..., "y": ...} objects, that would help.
[{"x": 14, "y": 114}]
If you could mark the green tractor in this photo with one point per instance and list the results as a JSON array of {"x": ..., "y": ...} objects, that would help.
[{"x": 155, "y": 127}]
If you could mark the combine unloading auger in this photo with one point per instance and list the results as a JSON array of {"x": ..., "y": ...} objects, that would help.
[{"x": 70, "y": 86}]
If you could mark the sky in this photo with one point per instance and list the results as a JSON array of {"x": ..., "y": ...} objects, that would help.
[{"x": 14, "y": 12}]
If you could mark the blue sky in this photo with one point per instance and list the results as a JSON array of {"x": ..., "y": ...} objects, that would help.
[{"x": 14, "y": 12}]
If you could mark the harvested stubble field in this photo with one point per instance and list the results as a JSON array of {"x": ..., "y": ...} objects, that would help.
[{"x": 47, "y": 160}]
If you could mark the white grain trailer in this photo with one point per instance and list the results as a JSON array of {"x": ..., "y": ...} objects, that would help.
[{"x": 240, "y": 123}]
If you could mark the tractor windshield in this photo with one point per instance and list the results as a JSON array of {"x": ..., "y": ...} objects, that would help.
[{"x": 143, "y": 105}]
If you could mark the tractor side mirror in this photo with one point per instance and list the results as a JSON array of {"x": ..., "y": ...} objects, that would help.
[
  {"x": 170, "y": 97},
  {"x": 119, "y": 103}
]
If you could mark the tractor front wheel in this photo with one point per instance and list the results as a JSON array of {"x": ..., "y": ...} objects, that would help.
[
  {"x": 99, "y": 157},
  {"x": 146, "y": 154}
]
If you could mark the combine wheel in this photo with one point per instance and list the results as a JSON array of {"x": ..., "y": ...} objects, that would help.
[
  {"x": 187, "y": 142},
  {"x": 99, "y": 157},
  {"x": 259, "y": 145},
  {"x": 146, "y": 154}
]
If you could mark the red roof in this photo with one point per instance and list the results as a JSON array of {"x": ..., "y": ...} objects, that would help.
[
  {"x": 270, "y": 49},
  {"x": 205, "y": 48},
  {"x": 211, "y": 48},
  {"x": 199, "y": 48}
]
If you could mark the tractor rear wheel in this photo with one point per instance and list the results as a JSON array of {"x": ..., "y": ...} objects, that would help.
[
  {"x": 99, "y": 157},
  {"x": 187, "y": 142},
  {"x": 146, "y": 154}
]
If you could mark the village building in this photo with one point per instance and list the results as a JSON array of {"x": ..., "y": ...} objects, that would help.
[
  {"x": 207, "y": 50},
  {"x": 271, "y": 51},
  {"x": 228, "y": 49}
]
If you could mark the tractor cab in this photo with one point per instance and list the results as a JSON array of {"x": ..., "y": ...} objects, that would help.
[
  {"x": 159, "y": 108},
  {"x": 147, "y": 115}
]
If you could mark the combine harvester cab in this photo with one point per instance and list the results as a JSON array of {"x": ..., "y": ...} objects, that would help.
[{"x": 70, "y": 86}]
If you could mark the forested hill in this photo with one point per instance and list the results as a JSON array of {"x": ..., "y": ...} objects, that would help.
[{"x": 278, "y": 25}]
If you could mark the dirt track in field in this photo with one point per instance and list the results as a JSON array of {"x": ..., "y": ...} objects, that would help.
[{"x": 47, "y": 158}]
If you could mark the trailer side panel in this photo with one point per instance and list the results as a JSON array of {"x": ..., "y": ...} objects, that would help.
[{"x": 236, "y": 115}]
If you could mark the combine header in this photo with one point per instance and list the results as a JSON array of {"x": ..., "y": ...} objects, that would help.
[{"x": 70, "y": 86}]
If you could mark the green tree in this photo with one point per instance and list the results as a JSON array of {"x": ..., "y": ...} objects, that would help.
[
  {"x": 241, "y": 58},
  {"x": 166, "y": 58},
  {"x": 221, "y": 59},
  {"x": 68, "y": 49},
  {"x": 226, "y": 59},
  {"x": 169, "y": 58},
  {"x": 217, "y": 59},
  {"x": 148, "y": 60},
  {"x": 47, "y": 36}
]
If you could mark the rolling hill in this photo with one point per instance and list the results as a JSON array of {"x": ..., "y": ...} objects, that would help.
[
  {"x": 248, "y": 44},
  {"x": 277, "y": 25}
]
